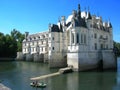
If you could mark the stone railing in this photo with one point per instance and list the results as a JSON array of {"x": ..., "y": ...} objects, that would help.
[{"x": 73, "y": 48}]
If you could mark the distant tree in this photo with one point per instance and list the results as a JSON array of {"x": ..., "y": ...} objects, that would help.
[
  {"x": 2, "y": 44},
  {"x": 11, "y": 44},
  {"x": 117, "y": 48},
  {"x": 18, "y": 37}
]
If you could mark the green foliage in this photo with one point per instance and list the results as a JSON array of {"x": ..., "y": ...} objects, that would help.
[
  {"x": 11, "y": 44},
  {"x": 19, "y": 38},
  {"x": 117, "y": 48}
]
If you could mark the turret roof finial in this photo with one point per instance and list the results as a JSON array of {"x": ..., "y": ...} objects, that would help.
[{"x": 79, "y": 11}]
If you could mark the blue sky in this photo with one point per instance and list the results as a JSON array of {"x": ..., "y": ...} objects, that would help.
[{"x": 35, "y": 15}]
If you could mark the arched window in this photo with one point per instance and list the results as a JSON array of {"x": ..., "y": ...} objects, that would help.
[
  {"x": 84, "y": 39},
  {"x": 95, "y": 46},
  {"x": 72, "y": 38},
  {"x": 81, "y": 38},
  {"x": 77, "y": 37}
]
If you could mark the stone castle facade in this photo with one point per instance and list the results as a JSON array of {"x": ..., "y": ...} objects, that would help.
[{"x": 81, "y": 41}]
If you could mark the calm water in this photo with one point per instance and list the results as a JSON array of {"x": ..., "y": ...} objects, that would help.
[{"x": 16, "y": 75}]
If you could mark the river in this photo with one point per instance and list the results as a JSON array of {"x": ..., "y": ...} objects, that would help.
[{"x": 16, "y": 75}]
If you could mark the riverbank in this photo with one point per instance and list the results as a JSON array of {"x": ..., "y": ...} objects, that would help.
[{"x": 3, "y": 87}]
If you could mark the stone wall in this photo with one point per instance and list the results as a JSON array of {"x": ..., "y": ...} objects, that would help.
[
  {"x": 45, "y": 58},
  {"x": 57, "y": 61},
  {"x": 20, "y": 56},
  {"x": 38, "y": 57},
  {"x": 108, "y": 59},
  {"x": 91, "y": 60},
  {"x": 82, "y": 60},
  {"x": 72, "y": 60},
  {"x": 29, "y": 57}
]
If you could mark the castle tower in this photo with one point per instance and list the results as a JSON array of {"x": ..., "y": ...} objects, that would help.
[
  {"x": 111, "y": 34},
  {"x": 56, "y": 58}
]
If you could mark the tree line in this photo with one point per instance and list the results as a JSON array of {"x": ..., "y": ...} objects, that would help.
[{"x": 11, "y": 43}]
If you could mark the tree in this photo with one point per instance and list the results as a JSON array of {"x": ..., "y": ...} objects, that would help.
[
  {"x": 2, "y": 44},
  {"x": 11, "y": 44},
  {"x": 18, "y": 37},
  {"x": 117, "y": 48}
]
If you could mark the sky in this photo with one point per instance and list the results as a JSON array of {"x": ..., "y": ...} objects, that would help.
[{"x": 34, "y": 16}]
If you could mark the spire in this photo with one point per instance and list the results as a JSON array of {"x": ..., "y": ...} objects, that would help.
[
  {"x": 78, "y": 7},
  {"x": 109, "y": 24},
  {"x": 79, "y": 11},
  {"x": 88, "y": 14}
]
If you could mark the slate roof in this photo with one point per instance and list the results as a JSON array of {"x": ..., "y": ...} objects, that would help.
[{"x": 55, "y": 28}]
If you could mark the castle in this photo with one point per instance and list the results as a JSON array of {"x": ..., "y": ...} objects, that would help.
[{"x": 81, "y": 41}]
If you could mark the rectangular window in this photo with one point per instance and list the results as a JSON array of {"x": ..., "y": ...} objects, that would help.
[
  {"x": 77, "y": 38},
  {"x": 84, "y": 39},
  {"x": 72, "y": 38},
  {"x": 81, "y": 38},
  {"x": 45, "y": 49},
  {"x": 95, "y": 46},
  {"x": 53, "y": 48},
  {"x": 101, "y": 46},
  {"x": 95, "y": 35},
  {"x": 52, "y": 38}
]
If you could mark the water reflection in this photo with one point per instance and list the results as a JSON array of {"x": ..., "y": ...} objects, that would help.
[
  {"x": 117, "y": 86},
  {"x": 17, "y": 76},
  {"x": 5, "y": 66}
]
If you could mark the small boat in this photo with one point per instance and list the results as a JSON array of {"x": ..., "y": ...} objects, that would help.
[{"x": 38, "y": 84}]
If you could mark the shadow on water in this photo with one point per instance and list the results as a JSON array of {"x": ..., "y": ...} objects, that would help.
[{"x": 7, "y": 66}]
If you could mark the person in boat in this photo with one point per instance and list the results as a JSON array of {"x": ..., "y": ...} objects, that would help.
[{"x": 35, "y": 83}]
